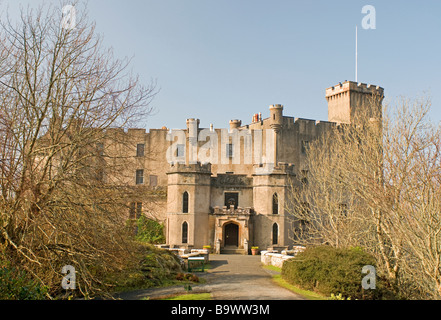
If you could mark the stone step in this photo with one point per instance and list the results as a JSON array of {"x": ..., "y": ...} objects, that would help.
[{"x": 232, "y": 251}]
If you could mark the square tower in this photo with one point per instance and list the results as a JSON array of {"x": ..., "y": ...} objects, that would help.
[{"x": 345, "y": 99}]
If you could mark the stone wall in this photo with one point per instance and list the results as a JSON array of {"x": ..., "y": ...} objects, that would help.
[
  {"x": 273, "y": 258},
  {"x": 270, "y": 258}
]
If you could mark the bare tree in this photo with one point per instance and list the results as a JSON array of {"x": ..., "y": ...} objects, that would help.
[
  {"x": 60, "y": 93},
  {"x": 412, "y": 175},
  {"x": 346, "y": 192},
  {"x": 376, "y": 184}
]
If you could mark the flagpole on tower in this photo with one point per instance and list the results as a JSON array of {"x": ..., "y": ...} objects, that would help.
[{"x": 356, "y": 53}]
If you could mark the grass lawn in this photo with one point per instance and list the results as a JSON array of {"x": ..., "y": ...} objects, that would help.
[{"x": 310, "y": 295}]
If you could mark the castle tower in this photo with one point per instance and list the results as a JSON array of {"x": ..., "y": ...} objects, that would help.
[
  {"x": 345, "y": 99},
  {"x": 188, "y": 205},
  {"x": 270, "y": 196}
]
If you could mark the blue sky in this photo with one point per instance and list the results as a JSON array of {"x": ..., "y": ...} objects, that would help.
[{"x": 225, "y": 59}]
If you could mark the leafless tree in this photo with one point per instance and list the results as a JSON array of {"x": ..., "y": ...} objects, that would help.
[
  {"x": 346, "y": 194},
  {"x": 376, "y": 183},
  {"x": 412, "y": 176},
  {"x": 61, "y": 92}
]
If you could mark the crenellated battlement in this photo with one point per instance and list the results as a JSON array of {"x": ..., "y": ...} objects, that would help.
[
  {"x": 346, "y": 99},
  {"x": 280, "y": 168},
  {"x": 134, "y": 131},
  {"x": 115, "y": 130},
  {"x": 309, "y": 125},
  {"x": 354, "y": 87},
  {"x": 284, "y": 167},
  {"x": 190, "y": 168}
]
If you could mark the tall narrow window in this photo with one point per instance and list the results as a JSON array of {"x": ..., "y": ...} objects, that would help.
[
  {"x": 304, "y": 177},
  {"x": 185, "y": 232},
  {"x": 132, "y": 210},
  {"x": 140, "y": 150},
  {"x": 275, "y": 233},
  {"x": 135, "y": 210},
  {"x": 229, "y": 150},
  {"x": 305, "y": 146},
  {"x": 180, "y": 150},
  {"x": 275, "y": 203},
  {"x": 140, "y": 176},
  {"x": 138, "y": 210},
  {"x": 185, "y": 202}
]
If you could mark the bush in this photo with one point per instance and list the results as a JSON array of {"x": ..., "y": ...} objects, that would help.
[
  {"x": 332, "y": 271},
  {"x": 17, "y": 285},
  {"x": 187, "y": 277},
  {"x": 149, "y": 231},
  {"x": 152, "y": 267}
]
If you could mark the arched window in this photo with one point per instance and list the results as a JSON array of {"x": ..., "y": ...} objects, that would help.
[
  {"x": 185, "y": 232},
  {"x": 185, "y": 202},
  {"x": 275, "y": 203},
  {"x": 275, "y": 233}
]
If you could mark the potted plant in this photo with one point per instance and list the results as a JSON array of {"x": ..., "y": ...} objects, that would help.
[{"x": 254, "y": 250}]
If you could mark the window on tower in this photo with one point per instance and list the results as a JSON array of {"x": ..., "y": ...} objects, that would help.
[
  {"x": 185, "y": 202},
  {"x": 275, "y": 203},
  {"x": 140, "y": 176},
  {"x": 185, "y": 232},
  {"x": 305, "y": 146},
  {"x": 275, "y": 233},
  {"x": 140, "y": 149}
]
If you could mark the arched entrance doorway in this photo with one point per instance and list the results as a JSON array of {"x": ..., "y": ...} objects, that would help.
[{"x": 231, "y": 232}]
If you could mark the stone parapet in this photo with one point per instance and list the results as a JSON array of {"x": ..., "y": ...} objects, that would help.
[
  {"x": 190, "y": 168},
  {"x": 354, "y": 86},
  {"x": 281, "y": 168},
  {"x": 232, "y": 211}
]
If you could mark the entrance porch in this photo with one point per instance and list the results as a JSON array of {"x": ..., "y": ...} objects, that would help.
[{"x": 233, "y": 230}]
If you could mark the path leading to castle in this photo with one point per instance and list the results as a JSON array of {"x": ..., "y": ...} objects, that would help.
[
  {"x": 231, "y": 277},
  {"x": 241, "y": 277}
]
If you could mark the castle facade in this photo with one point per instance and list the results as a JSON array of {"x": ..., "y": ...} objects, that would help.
[{"x": 228, "y": 188}]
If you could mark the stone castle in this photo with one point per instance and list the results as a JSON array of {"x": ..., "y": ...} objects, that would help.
[{"x": 228, "y": 188}]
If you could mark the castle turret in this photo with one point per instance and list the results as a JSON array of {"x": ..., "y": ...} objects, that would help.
[
  {"x": 192, "y": 128},
  {"x": 276, "y": 121},
  {"x": 234, "y": 124},
  {"x": 345, "y": 99},
  {"x": 276, "y": 117}
]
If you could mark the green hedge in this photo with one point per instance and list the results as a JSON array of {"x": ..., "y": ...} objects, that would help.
[
  {"x": 149, "y": 231},
  {"x": 17, "y": 285},
  {"x": 329, "y": 270},
  {"x": 153, "y": 267}
]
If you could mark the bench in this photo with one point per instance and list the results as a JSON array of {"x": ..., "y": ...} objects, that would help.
[{"x": 191, "y": 260}]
